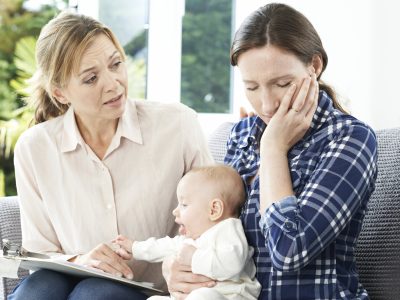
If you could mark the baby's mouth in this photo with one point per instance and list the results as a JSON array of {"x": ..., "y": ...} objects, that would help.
[{"x": 182, "y": 229}]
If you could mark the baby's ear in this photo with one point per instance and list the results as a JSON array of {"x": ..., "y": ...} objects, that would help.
[{"x": 216, "y": 209}]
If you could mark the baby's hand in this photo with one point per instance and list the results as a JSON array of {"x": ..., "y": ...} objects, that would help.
[
  {"x": 125, "y": 246},
  {"x": 185, "y": 254}
]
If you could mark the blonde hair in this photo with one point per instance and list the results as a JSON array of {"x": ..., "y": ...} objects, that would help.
[
  {"x": 59, "y": 48},
  {"x": 230, "y": 189}
]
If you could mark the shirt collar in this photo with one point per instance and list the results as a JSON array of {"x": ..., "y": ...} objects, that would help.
[
  {"x": 129, "y": 123},
  {"x": 324, "y": 109},
  {"x": 257, "y": 126},
  {"x": 71, "y": 136},
  {"x": 128, "y": 127}
]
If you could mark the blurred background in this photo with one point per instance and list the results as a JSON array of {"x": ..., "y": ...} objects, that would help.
[{"x": 178, "y": 50}]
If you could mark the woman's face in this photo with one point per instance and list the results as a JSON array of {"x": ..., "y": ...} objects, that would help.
[
  {"x": 98, "y": 91},
  {"x": 267, "y": 73}
]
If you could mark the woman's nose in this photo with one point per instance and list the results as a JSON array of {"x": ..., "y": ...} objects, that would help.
[
  {"x": 111, "y": 82},
  {"x": 267, "y": 109},
  {"x": 268, "y": 105}
]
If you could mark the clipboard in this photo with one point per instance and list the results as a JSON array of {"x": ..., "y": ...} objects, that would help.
[{"x": 17, "y": 256}]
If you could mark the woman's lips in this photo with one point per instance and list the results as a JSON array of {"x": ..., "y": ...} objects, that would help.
[{"x": 113, "y": 100}]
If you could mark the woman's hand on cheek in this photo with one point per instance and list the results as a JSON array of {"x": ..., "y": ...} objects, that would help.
[
  {"x": 180, "y": 279},
  {"x": 293, "y": 117}
]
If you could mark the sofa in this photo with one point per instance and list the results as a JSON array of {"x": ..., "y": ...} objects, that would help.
[{"x": 378, "y": 248}]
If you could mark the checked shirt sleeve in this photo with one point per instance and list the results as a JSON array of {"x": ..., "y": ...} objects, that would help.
[{"x": 297, "y": 229}]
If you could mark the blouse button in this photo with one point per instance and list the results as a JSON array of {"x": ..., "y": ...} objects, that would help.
[{"x": 288, "y": 225}]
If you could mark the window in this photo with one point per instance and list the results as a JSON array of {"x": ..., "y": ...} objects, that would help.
[
  {"x": 178, "y": 50},
  {"x": 205, "y": 71}
]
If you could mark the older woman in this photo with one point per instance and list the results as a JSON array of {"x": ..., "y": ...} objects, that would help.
[{"x": 96, "y": 164}]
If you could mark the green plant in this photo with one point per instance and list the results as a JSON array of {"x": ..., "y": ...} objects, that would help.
[
  {"x": 24, "y": 60},
  {"x": 20, "y": 118},
  {"x": 19, "y": 28},
  {"x": 9, "y": 132}
]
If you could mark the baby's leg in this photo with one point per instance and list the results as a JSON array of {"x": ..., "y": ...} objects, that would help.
[{"x": 205, "y": 294}]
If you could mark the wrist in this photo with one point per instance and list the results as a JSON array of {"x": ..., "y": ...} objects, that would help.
[
  {"x": 185, "y": 260},
  {"x": 272, "y": 152}
]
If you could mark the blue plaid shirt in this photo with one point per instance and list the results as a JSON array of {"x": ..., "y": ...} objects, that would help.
[{"x": 304, "y": 244}]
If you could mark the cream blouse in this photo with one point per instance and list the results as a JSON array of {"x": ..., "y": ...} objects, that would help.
[{"x": 71, "y": 201}]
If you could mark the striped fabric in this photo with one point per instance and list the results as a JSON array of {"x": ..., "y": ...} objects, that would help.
[
  {"x": 10, "y": 229},
  {"x": 304, "y": 244}
]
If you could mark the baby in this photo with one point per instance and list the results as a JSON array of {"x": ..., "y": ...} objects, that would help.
[{"x": 209, "y": 202}]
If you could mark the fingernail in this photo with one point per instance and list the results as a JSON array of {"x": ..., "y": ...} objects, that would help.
[
  {"x": 130, "y": 276},
  {"x": 118, "y": 274},
  {"x": 211, "y": 284}
]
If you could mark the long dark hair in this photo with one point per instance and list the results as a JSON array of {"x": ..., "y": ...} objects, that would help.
[{"x": 284, "y": 27}]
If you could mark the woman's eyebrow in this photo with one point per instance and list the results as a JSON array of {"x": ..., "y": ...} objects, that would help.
[
  {"x": 92, "y": 68},
  {"x": 274, "y": 79},
  {"x": 113, "y": 54},
  {"x": 280, "y": 77},
  {"x": 86, "y": 70}
]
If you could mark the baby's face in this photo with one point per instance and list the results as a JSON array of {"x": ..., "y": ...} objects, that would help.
[{"x": 192, "y": 212}]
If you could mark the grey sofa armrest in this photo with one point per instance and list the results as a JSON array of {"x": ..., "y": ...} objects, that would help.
[
  {"x": 378, "y": 248},
  {"x": 10, "y": 229},
  {"x": 217, "y": 141}
]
